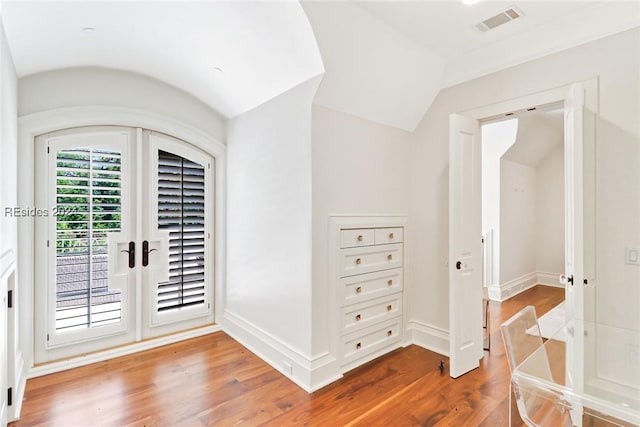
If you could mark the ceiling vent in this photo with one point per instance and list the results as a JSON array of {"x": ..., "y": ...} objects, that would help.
[{"x": 501, "y": 18}]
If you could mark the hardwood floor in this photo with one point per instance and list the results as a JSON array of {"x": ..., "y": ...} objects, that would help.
[{"x": 213, "y": 380}]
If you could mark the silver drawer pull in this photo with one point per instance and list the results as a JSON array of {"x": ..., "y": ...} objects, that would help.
[
  {"x": 358, "y": 346},
  {"x": 389, "y": 333},
  {"x": 389, "y": 307},
  {"x": 360, "y": 237},
  {"x": 391, "y": 235},
  {"x": 358, "y": 317},
  {"x": 358, "y": 289},
  {"x": 358, "y": 261},
  {"x": 389, "y": 257}
]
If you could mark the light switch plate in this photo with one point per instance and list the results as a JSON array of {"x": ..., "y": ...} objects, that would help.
[{"x": 632, "y": 255}]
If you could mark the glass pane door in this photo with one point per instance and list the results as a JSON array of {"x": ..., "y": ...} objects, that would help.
[
  {"x": 88, "y": 192},
  {"x": 128, "y": 239},
  {"x": 180, "y": 271},
  {"x": 88, "y": 209},
  {"x": 181, "y": 213}
]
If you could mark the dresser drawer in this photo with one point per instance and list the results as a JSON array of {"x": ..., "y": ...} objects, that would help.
[
  {"x": 361, "y": 315},
  {"x": 385, "y": 236},
  {"x": 372, "y": 258},
  {"x": 363, "y": 343},
  {"x": 357, "y": 237},
  {"x": 356, "y": 289}
]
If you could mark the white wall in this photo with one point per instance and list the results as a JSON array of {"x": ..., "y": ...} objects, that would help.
[
  {"x": 11, "y": 368},
  {"x": 550, "y": 213},
  {"x": 615, "y": 61},
  {"x": 269, "y": 226},
  {"x": 496, "y": 139},
  {"x": 517, "y": 220},
  {"x": 8, "y": 147},
  {"x": 359, "y": 167},
  {"x": 372, "y": 70},
  {"x": 90, "y": 86}
]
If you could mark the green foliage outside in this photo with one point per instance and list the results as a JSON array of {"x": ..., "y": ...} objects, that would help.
[{"x": 72, "y": 200}]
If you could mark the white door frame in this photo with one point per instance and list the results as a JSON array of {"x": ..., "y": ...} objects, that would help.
[
  {"x": 36, "y": 124},
  {"x": 493, "y": 111}
]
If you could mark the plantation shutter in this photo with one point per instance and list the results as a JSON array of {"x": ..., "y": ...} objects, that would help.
[
  {"x": 181, "y": 204},
  {"x": 88, "y": 208}
]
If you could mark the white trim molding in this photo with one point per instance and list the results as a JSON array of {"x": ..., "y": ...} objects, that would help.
[
  {"x": 100, "y": 356},
  {"x": 309, "y": 373},
  {"x": 549, "y": 279},
  {"x": 515, "y": 286},
  {"x": 520, "y": 284},
  {"x": 428, "y": 336}
]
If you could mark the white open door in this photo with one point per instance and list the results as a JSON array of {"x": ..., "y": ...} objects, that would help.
[
  {"x": 574, "y": 202},
  {"x": 575, "y": 222},
  {"x": 465, "y": 246}
]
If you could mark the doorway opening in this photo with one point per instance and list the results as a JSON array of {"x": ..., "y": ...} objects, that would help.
[
  {"x": 465, "y": 211},
  {"x": 523, "y": 201}
]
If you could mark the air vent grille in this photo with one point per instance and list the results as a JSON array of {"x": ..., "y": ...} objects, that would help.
[{"x": 499, "y": 19}]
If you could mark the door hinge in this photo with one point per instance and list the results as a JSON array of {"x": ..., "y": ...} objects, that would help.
[
  {"x": 209, "y": 165},
  {"x": 47, "y": 337},
  {"x": 10, "y": 299},
  {"x": 48, "y": 150},
  {"x": 482, "y": 239},
  {"x": 10, "y": 396},
  {"x": 47, "y": 243},
  {"x": 585, "y": 281},
  {"x": 208, "y": 235}
]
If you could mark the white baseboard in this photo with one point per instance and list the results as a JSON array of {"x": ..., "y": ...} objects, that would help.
[
  {"x": 494, "y": 292},
  {"x": 515, "y": 286},
  {"x": 63, "y": 365},
  {"x": 549, "y": 279},
  {"x": 429, "y": 337},
  {"x": 309, "y": 373},
  {"x": 520, "y": 284}
]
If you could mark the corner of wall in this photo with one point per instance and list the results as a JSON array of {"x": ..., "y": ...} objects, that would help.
[
  {"x": 513, "y": 287},
  {"x": 520, "y": 284},
  {"x": 427, "y": 336},
  {"x": 310, "y": 374}
]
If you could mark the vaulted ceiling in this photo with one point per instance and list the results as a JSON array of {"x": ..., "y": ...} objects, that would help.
[
  {"x": 232, "y": 55},
  {"x": 385, "y": 60}
]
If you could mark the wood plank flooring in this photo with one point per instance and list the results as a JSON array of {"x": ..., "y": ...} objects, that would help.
[{"x": 213, "y": 380}]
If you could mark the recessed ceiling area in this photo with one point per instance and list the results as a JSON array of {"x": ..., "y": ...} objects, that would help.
[{"x": 231, "y": 55}]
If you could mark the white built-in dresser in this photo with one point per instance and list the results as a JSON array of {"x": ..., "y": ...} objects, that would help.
[{"x": 369, "y": 287}]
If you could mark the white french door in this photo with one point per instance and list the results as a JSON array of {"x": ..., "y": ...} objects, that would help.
[
  {"x": 178, "y": 213},
  {"x": 124, "y": 230}
]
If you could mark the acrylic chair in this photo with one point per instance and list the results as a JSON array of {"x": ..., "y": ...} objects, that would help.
[{"x": 536, "y": 406}]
